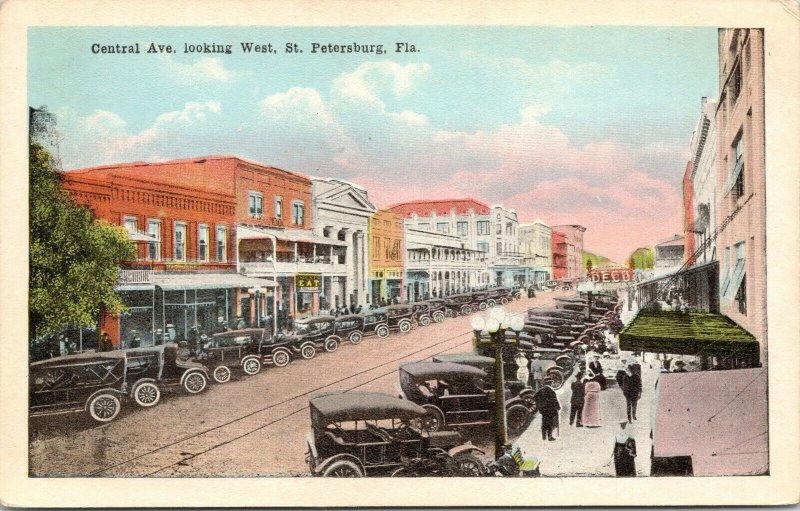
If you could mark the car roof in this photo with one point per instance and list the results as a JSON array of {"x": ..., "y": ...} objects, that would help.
[
  {"x": 464, "y": 358},
  {"x": 87, "y": 356},
  {"x": 349, "y": 317},
  {"x": 242, "y": 332},
  {"x": 351, "y": 406},
  {"x": 316, "y": 319},
  {"x": 441, "y": 370},
  {"x": 399, "y": 306}
]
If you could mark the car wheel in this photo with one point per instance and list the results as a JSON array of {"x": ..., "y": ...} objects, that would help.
[
  {"x": 356, "y": 337},
  {"x": 251, "y": 366},
  {"x": 146, "y": 394},
  {"x": 438, "y": 317},
  {"x": 469, "y": 465},
  {"x": 281, "y": 358},
  {"x": 331, "y": 344},
  {"x": 403, "y": 472},
  {"x": 308, "y": 351},
  {"x": 404, "y": 326},
  {"x": 555, "y": 378},
  {"x": 466, "y": 310},
  {"x": 433, "y": 420},
  {"x": 565, "y": 362},
  {"x": 529, "y": 400},
  {"x": 491, "y": 303},
  {"x": 504, "y": 300},
  {"x": 195, "y": 382},
  {"x": 382, "y": 331},
  {"x": 482, "y": 306},
  {"x": 342, "y": 468},
  {"x": 424, "y": 321},
  {"x": 104, "y": 407},
  {"x": 518, "y": 418},
  {"x": 221, "y": 374}
]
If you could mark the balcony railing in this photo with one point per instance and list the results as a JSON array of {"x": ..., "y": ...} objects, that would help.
[{"x": 129, "y": 277}]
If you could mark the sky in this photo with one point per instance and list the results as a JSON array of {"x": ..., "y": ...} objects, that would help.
[{"x": 570, "y": 125}]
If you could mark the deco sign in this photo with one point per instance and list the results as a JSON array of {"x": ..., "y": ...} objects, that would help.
[{"x": 615, "y": 275}]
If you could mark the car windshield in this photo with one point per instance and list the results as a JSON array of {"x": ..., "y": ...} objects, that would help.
[{"x": 304, "y": 328}]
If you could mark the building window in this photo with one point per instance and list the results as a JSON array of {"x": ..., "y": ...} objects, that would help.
[
  {"x": 738, "y": 167},
  {"x": 180, "y": 241},
  {"x": 298, "y": 213},
  {"x": 443, "y": 227},
  {"x": 483, "y": 247},
  {"x": 499, "y": 227},
  {"x": 741, "y": 296},
  {"x": 424, "y": 226},
  {"x": 153, "y": 247},
  {"x": 483, "y": 227},
  {"x": 376, "y": 246},
  {"x": 222, "y": 242},
  {"x": 735, "y": 85},
  {"x": 255, "y": 202},
  {"x": 509, "y": 229},
  {"x": 202, "y": 242},
  {"x": 130, "y": 224},
  {"x": 278, "y": 208},
  {"x": 499, "y": 248},
  {"x": 462, "y": 228}
]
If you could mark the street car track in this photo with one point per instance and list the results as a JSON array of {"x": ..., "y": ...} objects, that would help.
[{"x": 188, "y": 456}]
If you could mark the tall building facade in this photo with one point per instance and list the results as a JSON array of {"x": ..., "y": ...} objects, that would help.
[
  {"x": 741, "y": 181},
  {"x": 558, "y": 246},
  {"x": 703, "y": 184},
  {"x": 386, "y": 255},
  {"x": 535, "y": 246},
  {"x": 573, "y": 236}
]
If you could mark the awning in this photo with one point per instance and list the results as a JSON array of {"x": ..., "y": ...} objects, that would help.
[
  {"x": 687, "y": 333},
  {"x": 734, "y": 175},
  {"x": 732, "y": 282},
  {"x": 138, "y": 236},
  {"x": 180, "y": 281},
  {"x": 298, "y": 235},
  {"x": 718, "y": 418}
]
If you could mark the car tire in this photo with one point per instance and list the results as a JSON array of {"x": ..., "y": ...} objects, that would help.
[
  {"x": 482, "y": 306},
  {"x": 403, "y": 472},
  {"x": 343, "y": 468},
  {"x": 438, "y": 317},
  {"x": 382, "y": 331},
  {"x": 404, "y": 326},
  {"x": 466, "y": 310},
  {"x": 146, "y": 394},
  {"x": 518, "y": 418},
  {"x": 221, "y": 374},
  {"x": 555, "y": 378},
  {"x": 308, "y": 351},
  {"x": 424, "y": 321},
  {"x": 251, "y": 366},
  {"x": 281, "y": 358},
  {"x": 356, "y": 337},
  {"x": 195, "y": 382},
  {"x": 331, "y": 344},
  {"x": 433, "y": 420},
  {"x": 104, "y": 407},
  {"x": 469, "y": 465},
  {"x": 504, "y": 300},
  {"x": 528, "y": 398},
  {"x": 491, "y": 303}
]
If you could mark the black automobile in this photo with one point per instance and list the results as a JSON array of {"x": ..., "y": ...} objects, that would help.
[
  {"x": 375, "y": 323},
  {"x": 320, "y": 331},
  {"x": 225, "y": 351},
  {"x": 401, "y": 317},
  {"x": 258, "y": 347},
  {"x": 436, "y": 309},
  {"x": 458, "y": 304},
  {"x": 515, "y": 388},
  {"x": 479, "y": 300},
  {"x": 350, "y": 327},
  {"x": 357, "y": 434},
  {"x": 456, "y": 395},
  {"x": 498, "y": 295},
  {"x": 428, "y": 311}
]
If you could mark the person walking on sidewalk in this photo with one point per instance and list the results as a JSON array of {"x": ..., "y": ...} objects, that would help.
[
  {"x": 632, "y": 390},
  {"x": 537, "y": 372},
  {"x": 548, "y": 405},
  {"x": 576, "y": 401},
  {"x": 591, "y": 404},
  {"x": 624, "y": 452}
]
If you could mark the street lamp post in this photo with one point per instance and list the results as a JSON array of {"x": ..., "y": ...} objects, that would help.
[{"x": 496, "y": 325}]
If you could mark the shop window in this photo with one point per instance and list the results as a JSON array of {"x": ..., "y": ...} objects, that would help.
[
  {"x": 154, "y": 247},
  {"x": 255, "y": 202},
  {"x": 483, "y": 227},
  {"x": 278, "y": 208},
  {"x": 443, "y": 227},
  {"x": 298, "y": 213},
  {"x": 741, "y": 296},
  {"x": 180, "y": 241},
  {"x": 462, "y": 228},
  {"x": 222, "y": 241}
]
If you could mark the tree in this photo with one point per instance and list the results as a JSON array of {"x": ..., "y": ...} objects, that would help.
[
  {"x": 73, "y": 258},
  {"x": 641, "y": 259}
]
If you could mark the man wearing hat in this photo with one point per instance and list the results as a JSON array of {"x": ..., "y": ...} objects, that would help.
[
  {"x": 547, "y": 404},
  {"x": 537, "y": 371}
]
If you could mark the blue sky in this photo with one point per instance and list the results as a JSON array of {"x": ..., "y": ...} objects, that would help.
[{"x": 552, "y": 122}]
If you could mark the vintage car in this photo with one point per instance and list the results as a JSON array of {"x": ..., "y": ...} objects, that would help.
[
  {"x": 375, "y": 322},
  {"x": 479, "y": 301},
  {"x": 458, "y": 304},
  {"x": 357, "y": 434},
  {"x": 456, "y": 395},
  {"x": 557, "y": 364},
  {"x": 516, "y": 388},
  {"x": 350, "y": 327},
  {"x": 97, "y": 383},
  {"x": 254, "y": 347},
  {"x": 428, "y": 311},
  {"x": 498, "y": 295},
  {"x": 401, "y": 317},
  {"x": 436, "y": 309},
  {"x": 318, "y": 330}
]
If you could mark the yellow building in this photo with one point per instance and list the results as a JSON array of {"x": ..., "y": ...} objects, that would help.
[{"x": 385, "y": 256}]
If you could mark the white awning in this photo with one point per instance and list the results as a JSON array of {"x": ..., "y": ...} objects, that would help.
[
  {"x": 140, "y": 236},
  {"x": 732, "y": 282},
  {"x": 298, "y": 235},
  {"x": 737, "y": 169},
  {"x": 180, "y": 281}
]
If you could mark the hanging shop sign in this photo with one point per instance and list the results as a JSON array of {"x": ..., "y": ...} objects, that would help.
[
  {"x": 611, "y": 275},
  {"x": 306, "y": 282}
]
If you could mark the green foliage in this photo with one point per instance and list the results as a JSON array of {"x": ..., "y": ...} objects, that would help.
[
  {"x": 595, "y": 260},
  {"x": 641, "y": 259},
  {"x": 73, "y": 258}
]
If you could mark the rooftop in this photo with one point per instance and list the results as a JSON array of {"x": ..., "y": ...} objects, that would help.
[{"x": 440, "y": 207}]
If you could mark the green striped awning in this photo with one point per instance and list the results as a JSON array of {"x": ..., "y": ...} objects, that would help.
[{"x": 687, "y": 333}]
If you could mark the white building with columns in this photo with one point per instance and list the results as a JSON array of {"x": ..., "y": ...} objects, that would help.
[
  {"x": 341, "y": 210},
  {"x": 535, "y": 245}
]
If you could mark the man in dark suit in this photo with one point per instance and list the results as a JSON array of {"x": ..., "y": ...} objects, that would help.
[
  {"x": 548, "y": 405},
  {"x": 576, "y": 401}
]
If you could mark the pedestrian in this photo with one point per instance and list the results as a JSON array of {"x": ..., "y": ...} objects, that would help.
[
  {"x": 620, "y": 376},
  {"x": 632, "y": 390},
  {"x": 352, "y": 308},
  {"x": 104, "y": 344},
  {"x": 591, "y": 404},
  {"x": 358, "y": 309},
  {"x": 576, "y": 401},
  {"x": 595, "y": 371},
  {"x": 624, "y": 452},
  {"x": 537, "y": 371},
  {"x": 547, "y": 404}
]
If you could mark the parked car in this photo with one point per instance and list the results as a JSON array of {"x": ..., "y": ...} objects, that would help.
[
  {"x": 498, "y": 295},
  {"x": 429, "y": 311},
  {"x": 401, "y": 317},
  {"x": 376, "y": 323},
  {"x": 436, "y": 309},
  {"x": 516, "y": 388},
  {"x": 350, "y": 327},
  {"x": 319, "y": 330},
  {"x": 223, "y": 352},
  {"x": 357, "y": 434},
  {"x": 458, "y": 304},
  {"x": 259, "y": 347},
  {"x": 480, "y": 300},
  {"x": 558, "y": 363},
  {"x": 455, "y": 395}
]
